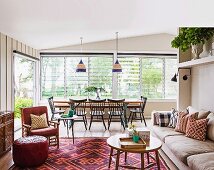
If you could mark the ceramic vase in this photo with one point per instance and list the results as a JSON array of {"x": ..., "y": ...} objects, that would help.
[
  {"x": 207, "y": 47},
  {"x": 135, "y": 138},
  {"x": 196, "y": 51}
]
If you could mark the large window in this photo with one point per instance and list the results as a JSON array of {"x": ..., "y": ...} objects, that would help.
[
  {"x": 148, "y": 76},
  {"x": 60, "y": 79}
]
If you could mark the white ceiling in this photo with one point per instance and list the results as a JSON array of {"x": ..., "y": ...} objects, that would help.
[{"x": 46, "y": 24}]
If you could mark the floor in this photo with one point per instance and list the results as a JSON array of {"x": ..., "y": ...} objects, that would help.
[{"x": 97, "y": 130}]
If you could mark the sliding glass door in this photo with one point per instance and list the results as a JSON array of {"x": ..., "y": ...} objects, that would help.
[{"x": 24, "y": 85}]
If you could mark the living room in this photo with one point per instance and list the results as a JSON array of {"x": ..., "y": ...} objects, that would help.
[{"x": 101, "y": 72}]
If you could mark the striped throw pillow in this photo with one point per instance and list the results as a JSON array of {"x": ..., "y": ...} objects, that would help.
[
  {"x": 196, "y": 129},
  {"x": 173, "y": 118},
  {"x": 38, "y": 122}
]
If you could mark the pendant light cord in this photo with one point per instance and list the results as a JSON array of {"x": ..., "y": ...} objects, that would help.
[{"x": 116, "y": 42}]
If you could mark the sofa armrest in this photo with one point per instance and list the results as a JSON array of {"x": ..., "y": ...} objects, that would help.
[{"x": 154, "y": 114}]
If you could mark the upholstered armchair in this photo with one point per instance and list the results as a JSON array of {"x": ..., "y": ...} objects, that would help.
[{"x": 51, "y": 131}]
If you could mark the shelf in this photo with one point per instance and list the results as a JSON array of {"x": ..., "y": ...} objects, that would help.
[{"x": 198, "y": 62}]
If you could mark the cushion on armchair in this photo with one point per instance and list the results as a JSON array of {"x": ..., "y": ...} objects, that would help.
[{"x": 38, "y": 122}]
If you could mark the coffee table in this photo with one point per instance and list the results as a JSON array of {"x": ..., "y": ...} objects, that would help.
[
  {"x": 153, "y": 146},
  {"x": 71, "y": 126}
]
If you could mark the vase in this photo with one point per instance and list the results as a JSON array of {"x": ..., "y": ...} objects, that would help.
[
  {"x": 135, "y": 138},
  {"x": 196, "y": 51},
  {"x": 207, "y": 47}
]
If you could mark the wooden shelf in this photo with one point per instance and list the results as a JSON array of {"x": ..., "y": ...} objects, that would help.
[{"x": 198, "y": 62}]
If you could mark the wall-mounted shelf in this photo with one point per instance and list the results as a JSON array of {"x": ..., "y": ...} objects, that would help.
[{"x": 198, "y": 62}]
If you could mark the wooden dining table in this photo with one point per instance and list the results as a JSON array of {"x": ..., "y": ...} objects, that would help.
[{"x": 128, "y": 103}]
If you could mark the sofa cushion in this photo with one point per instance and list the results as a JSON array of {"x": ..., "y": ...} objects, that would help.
[
  {"x": 203, "y": 161},
  {"x": 210, "y": 127},
  {"x": 182, "y": 146},
  {"x": 162, "y": 132},
  {"x": 197, "y": 129}
]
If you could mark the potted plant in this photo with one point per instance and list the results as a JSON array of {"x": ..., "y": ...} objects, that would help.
[
  {"x": 194, "y": 37},
  {"x": 96, "y": 90},
  {"x": 135, "y": 134}
]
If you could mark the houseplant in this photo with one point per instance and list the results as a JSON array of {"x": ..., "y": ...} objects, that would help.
[
  {"x": 193, "y": 37},
  {"x": 96, "y": 90},
  {"x": 135, "y": 134}
]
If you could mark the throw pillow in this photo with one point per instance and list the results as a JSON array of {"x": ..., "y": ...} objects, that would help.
[
  {"x": 210, "y": 127},
  {"x": 38, "y": 122},
  {"x": 196, "y": 129},
  {"x": 156, "y": 118},
  {"x": 173, "y": 118},
  {"x": 182, "y": 121},
  {"x": 203, "y": 114},
  {"x": 164, "y": 119}
]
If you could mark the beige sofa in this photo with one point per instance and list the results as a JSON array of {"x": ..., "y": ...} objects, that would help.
[{"x": 187, "y": 153}]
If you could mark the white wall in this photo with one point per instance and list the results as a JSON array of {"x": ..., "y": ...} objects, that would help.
[
  {"x": 155, "y": 42},
  {"x": 7, "y": 45},
  {"x": 203, "y": 87}
]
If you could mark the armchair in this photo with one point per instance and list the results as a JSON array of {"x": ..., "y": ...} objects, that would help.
[{"x": 51, "y": 132}]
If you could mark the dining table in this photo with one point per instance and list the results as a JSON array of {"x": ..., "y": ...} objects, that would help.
[{"x": 128, "y": 103}]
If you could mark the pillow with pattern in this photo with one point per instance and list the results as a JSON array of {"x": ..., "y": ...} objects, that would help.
[
  {"x": 173, "y": 118},
  {"x": 196, "y": 129},
  {"x": 164, "y": 119},
  {"x": 38, "y": 122}
]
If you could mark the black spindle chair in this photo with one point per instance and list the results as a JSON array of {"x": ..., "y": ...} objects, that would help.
[
  {"x": 138, "y": 113},
  {"x": 97, "y": 108},
  {"x": 79, "y": 107},
  {"x": 116, "y": 109},
  {"x": 53, "y": 109}
]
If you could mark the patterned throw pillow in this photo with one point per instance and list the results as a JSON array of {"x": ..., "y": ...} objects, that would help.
[
  {"x": 196, "y": 129},
  {"x": 38, "y": 122},
  {"x": 164, "y": 119},
  {"x": 182, "y": 121},
  {"x": 173, "y": 118}
]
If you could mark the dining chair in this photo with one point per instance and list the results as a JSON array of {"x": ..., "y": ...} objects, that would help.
[
  {"x": 97, "y": 108},
  {"x": 138, "y": 113},
  {"x": 116, "y": 109},
  {"x": 53, "y": 109},
  {"x": 79, "y": 106}
]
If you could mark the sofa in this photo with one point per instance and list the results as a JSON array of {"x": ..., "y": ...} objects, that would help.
[{"x": 186, "y": 153}]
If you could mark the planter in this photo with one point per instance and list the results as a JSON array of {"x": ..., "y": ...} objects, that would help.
[
  {"x": 135, "y": 138},
  {"x": 207, "y": 47},
  {"x": 196, "y": 51}
]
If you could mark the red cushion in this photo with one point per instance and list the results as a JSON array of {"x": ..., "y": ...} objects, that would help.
[{"x": 50, "y": 131}]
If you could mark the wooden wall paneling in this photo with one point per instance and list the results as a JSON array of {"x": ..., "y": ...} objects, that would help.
[
  {"x": 19, "y": 46},
  {"x": 14, "y": 44},
  {"x": 9, "y": 73},
  {"x": 23, "y": 48},
  {"x": 3, "y": 72}
]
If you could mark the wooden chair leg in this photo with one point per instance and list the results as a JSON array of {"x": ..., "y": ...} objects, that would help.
[
  {"x": 103, "y": 122},
  {"x": 57, "y": 138},
  {"x": 122, "y": 122},
  {"x": 130, "y": 115},
  {"x": 84, "y": 120},
  {"x": 109, "y": 123},
  {"x": 90, "y": 122},
  {"x": 144, "y": 120}
]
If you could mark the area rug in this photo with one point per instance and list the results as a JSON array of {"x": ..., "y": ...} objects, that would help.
[{"x": 85, "y": 154}]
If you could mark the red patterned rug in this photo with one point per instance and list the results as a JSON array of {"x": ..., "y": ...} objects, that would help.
[{"x": 85, "y": 154}]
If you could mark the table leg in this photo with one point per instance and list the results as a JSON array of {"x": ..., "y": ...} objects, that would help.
[
  {"x": 125, "y": 157},
  {"x": 67, "y": 128},
  {"x": 72, "y": 126},
  {"x": 147, "y": 154},
  {"x": 117, "y": 160},
  {"x": 125, "y": 117},
  {"x": 110, "y": 158},
  {"x": 142, "y": 160},
  {"x": 157, "y": 159}
]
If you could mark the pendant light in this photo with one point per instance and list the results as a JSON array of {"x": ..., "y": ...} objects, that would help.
[
  {"x": 81, "y": 65},
  {"x": 117, "y": 67}
]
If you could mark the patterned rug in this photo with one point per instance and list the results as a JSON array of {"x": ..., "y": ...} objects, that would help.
[{"x": 85, "y": 154}]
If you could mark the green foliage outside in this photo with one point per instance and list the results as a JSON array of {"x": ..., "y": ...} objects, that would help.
[{"x": 20, "y": 103}]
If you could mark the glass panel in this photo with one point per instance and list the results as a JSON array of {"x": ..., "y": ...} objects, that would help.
[
  {"x": 170, "y": 87},
  {"x": 152, "y": 78},
  {"x": 100, "y": 74},
  {"x": 129, "y": 79},
  {"x": 52, "y": 77}
]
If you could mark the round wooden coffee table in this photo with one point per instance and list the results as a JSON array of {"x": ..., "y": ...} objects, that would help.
[{"x": 153, "y": 146}]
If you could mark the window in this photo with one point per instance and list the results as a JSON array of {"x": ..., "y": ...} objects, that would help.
[
  {"x": 60, "y": 79},
  {"x": 149, "y": 76}
]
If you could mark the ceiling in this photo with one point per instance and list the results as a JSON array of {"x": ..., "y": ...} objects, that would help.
[{"x": 45, "y": 24}]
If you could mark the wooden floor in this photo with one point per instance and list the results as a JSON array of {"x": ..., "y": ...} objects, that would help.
[{"x": 97, "y": 130}]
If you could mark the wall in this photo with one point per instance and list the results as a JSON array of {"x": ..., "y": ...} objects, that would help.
[
  {"x": 202, "y": 87},
  {"x": 156, "y": 42},
  {"x": 7, "y": 45}
]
